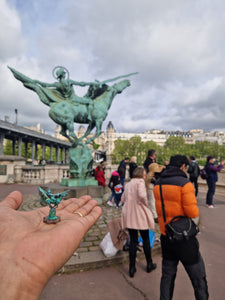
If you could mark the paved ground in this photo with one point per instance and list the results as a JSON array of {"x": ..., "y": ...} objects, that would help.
[
  {"x": 113, "y": 282},
  {"x": 26, "y": 189}
]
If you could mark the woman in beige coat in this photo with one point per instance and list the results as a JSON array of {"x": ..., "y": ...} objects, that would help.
[{"x": 137, "y": 217}]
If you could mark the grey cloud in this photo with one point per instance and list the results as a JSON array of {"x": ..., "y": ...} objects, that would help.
[
  {"x": 177, "y": 47},
  {"x": 11, "y": 39}
]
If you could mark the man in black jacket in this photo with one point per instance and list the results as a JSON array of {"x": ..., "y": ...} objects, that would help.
[
  {"x": 194, "y": 172},
  {"x": 149, "y": 159},
  {"x": 122, "y": 169},
  {"x": 212, "y": 178}
]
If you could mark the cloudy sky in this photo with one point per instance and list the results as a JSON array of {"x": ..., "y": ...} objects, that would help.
[{"x": 177, "y": 46}]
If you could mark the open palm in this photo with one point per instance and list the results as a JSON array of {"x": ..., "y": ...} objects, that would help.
[{"x": 31, "y": 251}]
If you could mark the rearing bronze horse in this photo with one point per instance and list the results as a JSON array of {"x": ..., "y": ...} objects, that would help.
[{"x": 66, "y": 107}]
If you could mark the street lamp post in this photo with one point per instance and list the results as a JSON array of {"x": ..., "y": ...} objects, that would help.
[{"x": 16, "y": 112}]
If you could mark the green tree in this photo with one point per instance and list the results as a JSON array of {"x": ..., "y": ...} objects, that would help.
[
  {"x": 133, "y": 146},
  {"x": 8, "y": 147},
  {"x": 120, "y": 151},
  {"x": 175, "y": 144}
]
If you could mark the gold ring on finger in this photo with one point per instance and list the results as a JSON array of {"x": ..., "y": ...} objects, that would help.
[{"x": 78, "y": 213}]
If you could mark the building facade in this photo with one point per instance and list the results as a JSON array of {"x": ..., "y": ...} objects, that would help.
[{"x": 106, "y": 140}]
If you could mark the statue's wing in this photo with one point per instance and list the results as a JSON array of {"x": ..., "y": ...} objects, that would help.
[
  {"x": 63, "y": 194},
  {"x": 20, "y": 76},
  {"x": 46, "y": 95},
  {"x": 43, "y": 193}
]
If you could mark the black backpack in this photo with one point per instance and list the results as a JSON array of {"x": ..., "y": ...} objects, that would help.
[
  {"x": 203, "y": 174},
  {"x": 194, "y": 170}
]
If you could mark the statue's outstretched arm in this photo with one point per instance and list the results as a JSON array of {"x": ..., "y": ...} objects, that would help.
[
  {"x": 115, "y": 78},
  {"x": 45, "y": 84},
  {"x": 82, "y": 83}
]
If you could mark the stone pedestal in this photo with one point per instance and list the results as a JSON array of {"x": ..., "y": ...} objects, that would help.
[{"x": 76, "y": 182}]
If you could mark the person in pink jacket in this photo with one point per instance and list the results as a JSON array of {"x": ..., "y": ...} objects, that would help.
[{"x": 136, "y": 216}]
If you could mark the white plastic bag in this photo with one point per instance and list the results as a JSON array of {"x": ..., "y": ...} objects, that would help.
[{"x": 107, "y": 246}]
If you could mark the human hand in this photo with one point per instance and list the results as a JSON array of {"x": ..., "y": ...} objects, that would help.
[
  {"x": 222, "y": 162},
  {"x": 31, "y": 251},
  {"x": 166, "y": 162}
]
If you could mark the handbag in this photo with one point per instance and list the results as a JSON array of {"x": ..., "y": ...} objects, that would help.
[
  {"x": 180, "y": 228},
  {"x": 107, "y": 246}
]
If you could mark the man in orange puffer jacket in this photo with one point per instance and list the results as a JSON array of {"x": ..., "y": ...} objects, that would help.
[{"x": 179, "y": 199}]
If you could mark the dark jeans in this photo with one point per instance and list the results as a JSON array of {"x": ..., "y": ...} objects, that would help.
[
  {"x": 195, "y": 182},
  {"x": 117, "y": 199},
  {"x": 188, "y": 253},
  {"x": 122, "y": 180},
  {"x": 133, "y": 245},
  {"x": 211, "y": 192}
]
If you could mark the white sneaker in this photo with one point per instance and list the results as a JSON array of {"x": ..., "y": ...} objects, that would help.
[
  {"x": 110, "y": 203},
  {"x": 211, "y": 206}
]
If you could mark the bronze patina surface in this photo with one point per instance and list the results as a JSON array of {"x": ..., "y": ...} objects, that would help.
[{"x": 66, "y": 108}]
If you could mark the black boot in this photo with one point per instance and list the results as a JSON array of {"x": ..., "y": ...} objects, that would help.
[
  {"x": 132, "y": 260},
  {"x": 132, "y": 270},
  {"x": 151, "y": 266},
  {"x": 147, "y": 250}
]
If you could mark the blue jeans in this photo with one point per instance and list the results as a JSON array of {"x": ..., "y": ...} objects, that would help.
[
  {"x": 211, "y": 192},
  {"x": 112, "y": 196}
]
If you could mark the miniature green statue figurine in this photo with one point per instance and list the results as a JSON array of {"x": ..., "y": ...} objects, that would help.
[{"x": 53, "y": 201}]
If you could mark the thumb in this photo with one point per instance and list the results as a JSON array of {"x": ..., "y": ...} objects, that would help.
[{"x": 13, "y": 200}]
